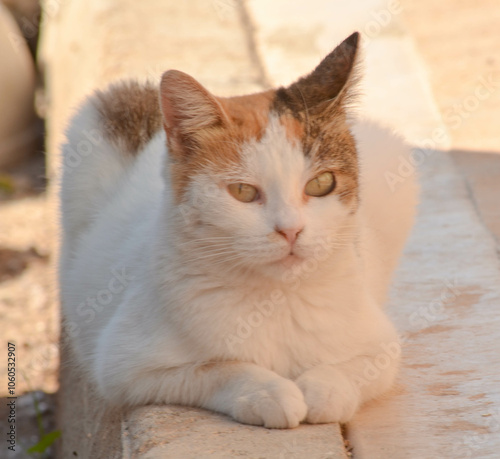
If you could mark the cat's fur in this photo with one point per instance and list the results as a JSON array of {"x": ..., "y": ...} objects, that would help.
[{"x": 173, "y": 291}]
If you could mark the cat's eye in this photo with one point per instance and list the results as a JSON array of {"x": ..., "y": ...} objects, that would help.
[
  {"x": 321, "y": 185},
  {"x": 243, "y": 192}
]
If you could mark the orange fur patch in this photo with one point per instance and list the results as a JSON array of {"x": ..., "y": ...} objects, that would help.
[
  {"x": 218, "y": 148},
  {"x": 293, "y": 127},
  {"x": 249, "y": 113}
]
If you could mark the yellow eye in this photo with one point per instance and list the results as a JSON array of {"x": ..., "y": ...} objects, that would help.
[
  {"x": 321, "y": 185},
  {"x": 243, "y": 192}
]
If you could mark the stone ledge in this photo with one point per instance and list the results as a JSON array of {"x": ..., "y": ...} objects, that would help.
[
  {"x": 91, "y": 430},
  {"x": 190, "y": 433}
]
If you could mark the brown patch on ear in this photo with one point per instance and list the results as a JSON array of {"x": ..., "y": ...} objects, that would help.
[
  {"x": 327, "y": 85},
  {"x": 204, "y": 131},
  {"x": 129, "y": 114}
]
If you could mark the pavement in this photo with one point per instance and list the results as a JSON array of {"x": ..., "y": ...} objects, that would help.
[
  {"x": 458, "y": 41},
  {"x": 459, "y": 48},
  {"x": 446, "y": 294}
]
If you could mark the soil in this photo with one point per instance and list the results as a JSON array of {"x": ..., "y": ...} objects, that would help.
[{"x": 28, "y": 308}]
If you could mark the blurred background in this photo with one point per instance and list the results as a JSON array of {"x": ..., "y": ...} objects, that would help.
[{"x": 458, "y": 42}]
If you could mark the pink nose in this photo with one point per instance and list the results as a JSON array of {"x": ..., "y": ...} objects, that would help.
[{"x": 290, "y": 234}]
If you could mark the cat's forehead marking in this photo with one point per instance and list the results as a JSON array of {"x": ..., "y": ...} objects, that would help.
[
  {"x": 275, "y": 158},
  {"x": 293, "y": 127},
  {"x": 249, "y": 114},
  {"x": 253, "y": 115}
]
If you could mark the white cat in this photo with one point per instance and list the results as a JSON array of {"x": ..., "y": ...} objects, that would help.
[{"x": 237, "y": 259}]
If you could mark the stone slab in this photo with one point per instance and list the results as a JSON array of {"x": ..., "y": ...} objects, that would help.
[
  {"x": 481, "y": 172},
  {"x": 190, "y": 433}
]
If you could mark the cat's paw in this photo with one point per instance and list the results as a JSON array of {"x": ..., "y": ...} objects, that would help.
[
  {"x": 329, "y": 395},
  {"x": 276, "y": 404}
]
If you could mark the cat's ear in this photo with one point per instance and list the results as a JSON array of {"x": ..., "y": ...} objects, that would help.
[
  {"x": 330, "y": 84},
  {"x": 188, "y": 108}
]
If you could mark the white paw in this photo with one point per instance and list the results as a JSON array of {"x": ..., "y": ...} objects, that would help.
[
  {"x": 276, "y": 404},
  {"x": 329, "y": 395}
]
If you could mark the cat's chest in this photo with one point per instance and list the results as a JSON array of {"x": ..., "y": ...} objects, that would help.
[{"x": 283, "y": 331}]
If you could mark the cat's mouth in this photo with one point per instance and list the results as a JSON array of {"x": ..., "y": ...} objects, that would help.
[{"x": 290, "y": 259}]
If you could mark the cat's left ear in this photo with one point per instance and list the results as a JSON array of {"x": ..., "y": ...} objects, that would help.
[
  {"x": 329, "y": 85},
  {"x": 188, "y": 109}
]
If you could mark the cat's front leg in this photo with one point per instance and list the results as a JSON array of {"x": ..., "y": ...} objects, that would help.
[
  {"x": 247, "y": 392},
  {"x": 333, "y": 393},
  {"x": 255, "y": 395}
]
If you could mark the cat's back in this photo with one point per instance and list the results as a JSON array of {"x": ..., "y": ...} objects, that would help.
[
  {"x": 388, "y": 200},
  {"x": 111, "y": 184},
  {"x": 107, "y": 140}
]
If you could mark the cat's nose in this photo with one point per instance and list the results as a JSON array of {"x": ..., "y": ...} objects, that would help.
[{"x": 290, "y": 234}]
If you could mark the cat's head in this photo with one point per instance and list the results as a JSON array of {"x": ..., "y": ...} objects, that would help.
[{"x": 267, "y": 180}]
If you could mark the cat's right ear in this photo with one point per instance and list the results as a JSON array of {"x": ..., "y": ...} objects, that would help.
[
  {"x": 329, "y": 86},
  {"x": 188, "y": 109}
]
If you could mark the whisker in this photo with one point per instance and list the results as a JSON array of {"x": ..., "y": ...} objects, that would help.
[
  {"x": 205, "y": 248},
  {"x": 212, "y": 255}
]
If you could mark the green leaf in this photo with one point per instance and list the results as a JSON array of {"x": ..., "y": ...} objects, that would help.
[
  {"x": 6, "y": 184},
  {"x": 45, "y": 442}
]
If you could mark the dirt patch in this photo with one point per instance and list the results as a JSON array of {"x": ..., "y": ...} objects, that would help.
[{"x": 14, "y": 262}]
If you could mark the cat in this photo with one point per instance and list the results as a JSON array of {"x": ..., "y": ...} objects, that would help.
[{"x": 234, "y": 253}]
